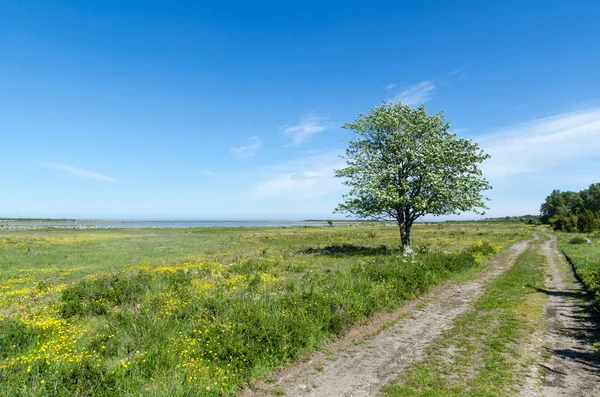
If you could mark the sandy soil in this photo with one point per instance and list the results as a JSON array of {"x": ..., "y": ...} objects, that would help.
[
  {"x": 565, "y": 364},
  {"x": 361, "y": 369}
]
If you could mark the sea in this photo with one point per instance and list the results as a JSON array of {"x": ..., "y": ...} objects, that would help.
[{"x": 101, "y": 224}]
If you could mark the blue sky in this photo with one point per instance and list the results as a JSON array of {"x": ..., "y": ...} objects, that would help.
[{"x": 231, "y": 110}]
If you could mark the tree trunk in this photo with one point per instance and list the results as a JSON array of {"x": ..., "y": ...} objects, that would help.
[{"x": 405, "y": 236}]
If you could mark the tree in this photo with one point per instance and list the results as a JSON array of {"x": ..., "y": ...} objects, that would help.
[
  {"x": 552, "y": 206},
  {"x": 591, "y": 197},
  {"x": 578, "y": 204},
  {"x": 564, "y": 222},
  {"x": 573, "y": 202},
  {"x": 587, "y": 222},
  {"x": 559, "y": 203},
  {"x": 402, "y": 163}
]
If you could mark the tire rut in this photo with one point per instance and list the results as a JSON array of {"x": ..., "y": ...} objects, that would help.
[
  {"x": 363, "y": 370},
  {"x": 572, "y": 369}
]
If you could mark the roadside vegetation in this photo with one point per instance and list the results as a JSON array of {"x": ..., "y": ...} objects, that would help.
[
  {"x": 189, "y": 311},
  {"x": 480, "y": 354},
  {"x": 576, "y": 218},
  {"x": 583, "y": 250}
]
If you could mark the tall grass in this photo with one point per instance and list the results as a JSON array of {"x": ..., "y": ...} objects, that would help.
[{"x": 206, "y": 327}]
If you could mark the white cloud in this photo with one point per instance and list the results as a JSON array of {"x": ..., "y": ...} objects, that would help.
[
  {"x": 303, "y": 131},
  {"x": 247, "y": 150},
  {"x": 565, "y": 139},
  {"x": 460, "y": 72},
  {"x": 389, "y": 87},
  {"x": 209, "y": 173},
  {"x": 416, "y": 94},
  {"x": 291, "y": 183},
  {"x": 303, "y": 178},
  {"x": 80, "y": 172}
]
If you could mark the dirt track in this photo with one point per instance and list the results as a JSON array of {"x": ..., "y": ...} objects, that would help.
[
  {"x": 562, "y": 361},
  {"x": 572, "y": 368},
  {"x": 362, "y": 370}
]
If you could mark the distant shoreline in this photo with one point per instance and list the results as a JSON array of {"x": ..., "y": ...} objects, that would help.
[{"x": 124, "y": 224}]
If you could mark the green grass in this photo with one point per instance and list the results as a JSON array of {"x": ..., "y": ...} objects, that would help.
[
  {"x": 586, "y": 258},
  {"x": 202, "y": 311},
  {"x": 479, "y": 355}
]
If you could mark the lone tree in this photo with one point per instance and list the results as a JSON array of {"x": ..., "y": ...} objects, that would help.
[{"x": 402, "y": 163}]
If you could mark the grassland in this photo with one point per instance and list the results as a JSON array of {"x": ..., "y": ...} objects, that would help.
[
  {"x": 202, "y": 311},
  {"x": 586, "y": 258}
]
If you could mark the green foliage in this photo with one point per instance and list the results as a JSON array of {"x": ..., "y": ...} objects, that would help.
[
  {"x": 484, "y": 248},
  {"x": 403, "y": 163},
  {"x": 586, "y": 259},
  {"x": 528, "y": 219},
  {"x": 587, "y": 221},
  {"x": 564, "y": 222},
  {"x": 15, "y": 336},
  {"x": 97, "y": 296},
  {"x": 591, "y": 198},
  {"x": 577, "y": 240},
  {"x": 584, "y": 204}
]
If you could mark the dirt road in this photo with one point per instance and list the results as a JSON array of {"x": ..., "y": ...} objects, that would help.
[
  {"x": 363, "y": 369},
  {"x": 571, "y": 369}
]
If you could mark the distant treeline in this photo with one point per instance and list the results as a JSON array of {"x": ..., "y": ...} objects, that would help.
[
  {"x": 573, "y": 211},
  {"x": 529, "y": 219}
]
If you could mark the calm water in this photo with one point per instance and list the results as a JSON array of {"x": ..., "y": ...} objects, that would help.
[{"x": 150, "y": 224}]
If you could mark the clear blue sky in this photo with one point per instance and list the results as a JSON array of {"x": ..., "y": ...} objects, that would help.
[{"x": 231, "y": 110}]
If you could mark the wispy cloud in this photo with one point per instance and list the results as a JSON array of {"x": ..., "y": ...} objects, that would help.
[
  {"x": 209, "y": 173},
  {"x": 459, "y": 72},
  {"x": 416, "y": 94},
  {"x": 389, "y": 87},
  {"x": 303, "y": 178},
  {"x": 303, "y": 131},
  {"x": 247, "y": 150},
  {"x": 565, "y": 139},
  {"x": 80, "y": 172}
]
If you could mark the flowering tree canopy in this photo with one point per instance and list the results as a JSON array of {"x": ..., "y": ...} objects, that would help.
[{"x": 402, "y": 163}]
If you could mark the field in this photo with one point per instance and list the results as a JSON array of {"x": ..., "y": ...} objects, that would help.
[{"x": 202, "y": 311}]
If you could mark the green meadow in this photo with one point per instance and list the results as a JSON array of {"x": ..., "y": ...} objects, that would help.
[{"x": 118, "y": 312}]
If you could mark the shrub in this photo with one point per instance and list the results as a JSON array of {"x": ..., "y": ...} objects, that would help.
[
  {"x": 96, "y": 296},
  {"x": 577, "y": 240},
  {"x": 587, "y": 222},
  {"x": 565, "y": 222},
  {"x": 15, "y": 336},
  {"x": 484, "y": 248}
]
